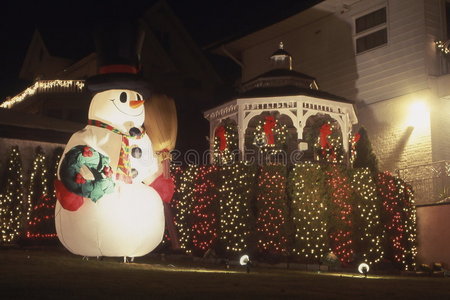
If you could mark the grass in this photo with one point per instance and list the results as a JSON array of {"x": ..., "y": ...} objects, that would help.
[{"x": 55, "y": 273}]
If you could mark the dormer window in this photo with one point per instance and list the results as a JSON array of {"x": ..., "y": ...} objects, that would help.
[{"x": 371, "y": 30}]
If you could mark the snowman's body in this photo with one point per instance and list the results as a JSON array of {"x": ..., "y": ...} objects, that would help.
[{"x": 129, "y": 221}]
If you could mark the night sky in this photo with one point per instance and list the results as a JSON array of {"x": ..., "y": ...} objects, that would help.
[{"x": 67, "y": 25}]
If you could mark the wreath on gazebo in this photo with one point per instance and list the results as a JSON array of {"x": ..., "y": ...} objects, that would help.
[
  {"x": 270, "y": 135},
  {"x": 329, "y": 144},
  {"x": 225, "y": 142}
]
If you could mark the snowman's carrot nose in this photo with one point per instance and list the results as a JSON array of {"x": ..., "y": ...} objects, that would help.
[{"x": 136, "y": 103}]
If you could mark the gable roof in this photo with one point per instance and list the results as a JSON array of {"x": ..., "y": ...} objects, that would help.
[{"x": 38, "y": 60}]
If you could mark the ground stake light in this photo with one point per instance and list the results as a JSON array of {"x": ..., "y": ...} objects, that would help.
[
  {"x": 245, "y": 261},
  {"x": 363, "y": 269}
]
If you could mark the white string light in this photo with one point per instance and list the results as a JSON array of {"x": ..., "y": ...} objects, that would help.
[{"x": 42, "y": 86}]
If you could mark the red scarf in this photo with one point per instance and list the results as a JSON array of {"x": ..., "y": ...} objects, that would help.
[{"x": 124, "y": 166}]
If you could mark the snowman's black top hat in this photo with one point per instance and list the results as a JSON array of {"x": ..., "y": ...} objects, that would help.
[{"x": 118, "y": 49}]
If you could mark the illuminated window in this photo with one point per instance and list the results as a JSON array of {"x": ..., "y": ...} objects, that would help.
[{"x": 371, "y": 30}]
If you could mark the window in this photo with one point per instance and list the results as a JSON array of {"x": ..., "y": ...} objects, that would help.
[{"x": 371, "y": 30}]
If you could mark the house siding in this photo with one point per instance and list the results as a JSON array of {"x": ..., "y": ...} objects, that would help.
[{"x": 325, "y": 50}]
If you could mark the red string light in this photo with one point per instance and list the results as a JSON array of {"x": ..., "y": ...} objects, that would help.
[
  {"x": 271, "y": 218},
  {"x": 399, "y": 220},
  {"x": 204, "y": 209},
  {"x": 341, "y": 233}
]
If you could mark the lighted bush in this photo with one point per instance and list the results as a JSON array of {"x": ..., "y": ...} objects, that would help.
[
  {"x": 367, "y": 229},
  {"x": 271, "y": 211},
  {"x": 183, "y": 207},
  {"x": 236, "y": 193},
  {"x": 341, "y": 211},
  {"x": 205, "y": 212},
  {"x": 309, "y": 212},
  {"x": 399, "y": 220}
]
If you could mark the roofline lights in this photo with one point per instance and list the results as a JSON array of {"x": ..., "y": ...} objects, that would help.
[{"x": 42, "y": 86}]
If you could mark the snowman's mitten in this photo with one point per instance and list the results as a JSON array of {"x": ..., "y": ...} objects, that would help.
[
  {"x": 165, "y": 187},
  {"x": 75, "y": 164},
  {"x": 66, "y": 198}
]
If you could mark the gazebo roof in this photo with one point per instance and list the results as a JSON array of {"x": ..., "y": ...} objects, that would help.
[
  {"x": 281, "y": 73},
  {"x": 291, "y": 90}
]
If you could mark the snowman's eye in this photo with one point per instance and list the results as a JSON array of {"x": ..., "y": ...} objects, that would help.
[{"x": 123, "y": 97}]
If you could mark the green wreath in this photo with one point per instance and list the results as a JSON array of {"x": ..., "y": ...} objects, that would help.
[{"x": 97, "y": 163}]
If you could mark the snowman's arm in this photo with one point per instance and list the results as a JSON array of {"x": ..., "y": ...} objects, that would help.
[
  {"x": 84, "y": 172},
  {"x": 163, "y": 186}
]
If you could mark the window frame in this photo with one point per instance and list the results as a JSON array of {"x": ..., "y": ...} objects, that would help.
[{"x": 370, "y": 30}]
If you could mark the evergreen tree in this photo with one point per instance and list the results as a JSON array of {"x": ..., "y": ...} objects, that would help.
[
  {"x": 236, "y": 192},
  {"x": 41, "y": 210},
  {"x": 368, "y": 229},
  {"x": 205, "y": 219},
  {"x": 11, "y": 201},
  {"x": 309, "y": 210},
  {"x": 272, "y": 229},
  {"x": 365, "y": 158}
]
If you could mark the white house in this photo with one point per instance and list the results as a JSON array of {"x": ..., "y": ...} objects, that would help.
[{"x": 383, "y": 55}]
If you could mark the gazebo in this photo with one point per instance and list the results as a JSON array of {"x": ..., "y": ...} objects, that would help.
[{"x": 279, "y": 95}]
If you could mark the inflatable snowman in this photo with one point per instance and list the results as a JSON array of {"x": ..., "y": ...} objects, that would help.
[{"x": 107, "y": 201}]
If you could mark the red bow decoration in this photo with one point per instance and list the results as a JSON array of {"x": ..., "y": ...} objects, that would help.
[
  {"x": 220, "y": 133},
  {"x": 268, "y": 129},
  {"x": 325, "y": 131},
  {"x": 356, "y": 137}
]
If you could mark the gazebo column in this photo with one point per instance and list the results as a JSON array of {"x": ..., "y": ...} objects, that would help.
[
  {"x": 212, "y": 125},
  {"x": 346, "y": 131},
  {"x": 299, "y": 122},
  {"x": 241, "y": 131}
]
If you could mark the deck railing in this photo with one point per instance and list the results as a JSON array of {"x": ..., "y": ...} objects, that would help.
[{"x": 430, "y": 182}]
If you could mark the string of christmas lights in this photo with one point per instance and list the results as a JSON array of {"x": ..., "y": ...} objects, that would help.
[
  {"x": 328, "y": 147},
  {"x": 272, "y": 213},
  {"x": 309, "y": 212},
  {"x": 40, "y": 207},
  {"x": 270, "y": 135},
  {"x": 341, "y": 209},
  {"x": 236, "y": 218},
  {"x": 410, "y": 225},
  {"x": 225, "y": 143},
  {"x": 175, "y": 172},
  {"x": 11, "y": 200},
  {"x": 367, "y": 226},
  {"x": 398, "y": 217},
  {"x": 353, "y": 140},
  {"x": 354, "y": 217},
  {"x": 183, "y": 207},
  {"x": 205, "y": 221},
  {"x": 42, "y": 86}
]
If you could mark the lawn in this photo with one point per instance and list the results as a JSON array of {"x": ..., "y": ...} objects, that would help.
[{"x": 55, "y": 273}]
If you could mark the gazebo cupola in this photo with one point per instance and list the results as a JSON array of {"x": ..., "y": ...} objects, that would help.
[
  {"x": 281, "y": 59},
  {"x": 280, "y": 112}
]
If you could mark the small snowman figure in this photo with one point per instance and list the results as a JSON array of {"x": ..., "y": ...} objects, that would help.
[{"x": 108, "y": 189}]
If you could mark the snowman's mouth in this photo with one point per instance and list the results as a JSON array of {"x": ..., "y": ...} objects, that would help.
[{"x": 132, "y": 115}]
